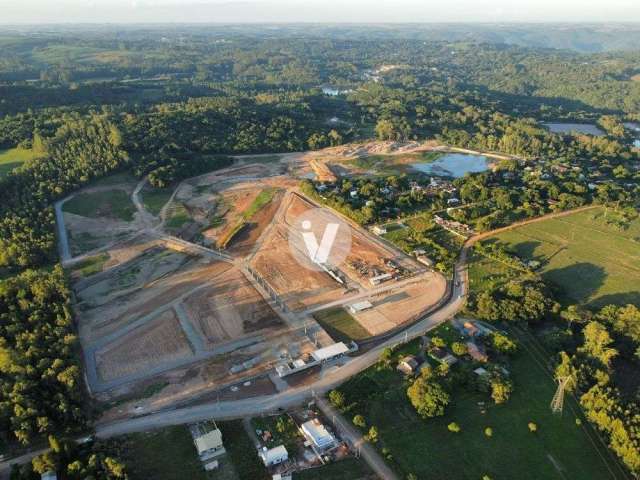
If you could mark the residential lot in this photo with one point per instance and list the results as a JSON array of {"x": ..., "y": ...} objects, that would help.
[{"x": 559, "y": 449}]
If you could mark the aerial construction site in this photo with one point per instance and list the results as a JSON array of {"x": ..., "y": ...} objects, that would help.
[{"x": 199, "y": 295}]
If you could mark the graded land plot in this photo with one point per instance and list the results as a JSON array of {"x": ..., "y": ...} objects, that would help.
[
  {"x": 396, "y": 307},
  {"x": 594, "y": 263},
  {"x": 150, "y": 265},
  {"x": 13, "y": 158},
  {"x": 172, "y": 278},
  {"x": 229, "y": 308},
  {"x": 244, "y": 241},
  {"x": 297, "y": 285},
  {"x": 87, "y": 234},
  {"x": 235, "y": 212},
  {"x": 157, "y": 342},
  {"x": 367, "y": 257},
  {"x": 560, "y": 449}
]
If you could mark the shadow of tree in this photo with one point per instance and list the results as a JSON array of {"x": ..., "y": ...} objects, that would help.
[
  {"x": 577, "y": 282},
  {"x": 622, "y": 298},
  {"x": 527, "y": 250}
]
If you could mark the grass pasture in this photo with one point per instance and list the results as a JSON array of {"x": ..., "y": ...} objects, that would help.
[
  {"x": 593, "y": 263},
  {"x": 347, "y": 469},
  {"x": 156, "y": 198},
  {"x": 560, "y": 449},
  {"x": 114, "y": 204},
  {"x": 340, "y": 325},
  {"x": 13, "y": 158},
  {"x": 165, "y": 454}
]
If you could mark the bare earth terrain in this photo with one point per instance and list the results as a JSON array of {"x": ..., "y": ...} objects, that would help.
[{"x": 167, "y": 321}]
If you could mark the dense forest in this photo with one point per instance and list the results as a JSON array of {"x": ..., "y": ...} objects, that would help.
[{"x": 175, "y": 104}]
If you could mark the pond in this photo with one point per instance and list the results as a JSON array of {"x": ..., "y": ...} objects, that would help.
[
  {"x": 454, "y": 165},
  {"x": 586, "y": 128},
  {"x": 332, "y": 91}
]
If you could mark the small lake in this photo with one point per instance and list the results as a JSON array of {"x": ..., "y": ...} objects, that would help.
[
  {"x": 332, "y": 91},
  {"x": 635, "y": 127},
  {"x": 454, "y": 165},
  {"x": 586, "y": 128}
]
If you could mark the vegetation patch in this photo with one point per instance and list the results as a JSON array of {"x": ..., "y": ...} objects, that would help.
[
  {"x": 165, "y": 454},
  {"x": 258, "y": 203},
  {"x": 241, "y": 451},
  {"x": 13, "y": 158},
  {"x": 90, "y": 266},
  {"x": 466, "y": 449},
  {"x": 340, "y": 325},
  {"x": 179, "y": 217},
  {"x": 347, "y": 469},
  {"x": 114, "y": 204},
  {"x": 263, "y": 198},
  {"x": 156, "y": 198}
]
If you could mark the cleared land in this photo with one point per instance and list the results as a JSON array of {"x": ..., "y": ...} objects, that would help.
[
  {"x": 159, "y": 340},
  {"x": 392, "y": 309},
  {"x": 592, "y": 261},
  {"x": 13, "y": 158},
  {"x": 114, "y": 204},
  {"x": 229, "y": 308},
  {"x": 282, "y": 272},
  {"x": 559, "y": 449},
  {"x": 101, "y": 214}
]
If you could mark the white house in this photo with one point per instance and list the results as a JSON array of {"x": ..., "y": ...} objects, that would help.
[
  {"x": 317, "y": 434},
  {"x": 379, "y": 230},
  {"x": 209, "y": 444},
  {"x": 274, "y": 456}
]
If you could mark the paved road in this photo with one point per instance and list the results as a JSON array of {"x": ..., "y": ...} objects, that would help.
[
  {"x": 63, "y": 239},
  {"x": 357, "y": 441},
  {"x": 253, "y": 406},
  {"x": 294, "y": 396}
]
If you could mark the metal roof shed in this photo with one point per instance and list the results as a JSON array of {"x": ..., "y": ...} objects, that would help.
[{"x": 332, "y": 351}]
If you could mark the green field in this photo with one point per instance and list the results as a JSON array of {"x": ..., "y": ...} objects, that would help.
[
  {"x": 340, "y": 325},
  {"x": 560, "y": 449},
  {"x": 156, "y": 198},
  {"x": 348, "y": 469},
  {"x": 111, "y": 203},
  {"x": 592, "y": 262},
  {"x": 13, "y": 158},
  {"x": 165, "y": 454}
]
